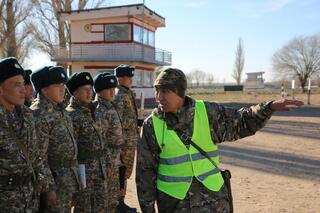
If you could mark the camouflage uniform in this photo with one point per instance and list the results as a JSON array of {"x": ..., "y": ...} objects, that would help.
[
  {"x": 225, "y": 125},
  {"x": 91, "y": 153},
  {"x": 126, "y": 106},
  {"x": 109, "y": 120},
  {"x": 17, "y": 163},
  {"x": 59, "y": 149}
]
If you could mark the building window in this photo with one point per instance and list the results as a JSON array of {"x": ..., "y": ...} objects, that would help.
[
  {"x": 143, "y": 36},
  {"x": 117, "y": 32},
  {"x": 137, "y": 34},
  {"x": 151, "y": 40}
]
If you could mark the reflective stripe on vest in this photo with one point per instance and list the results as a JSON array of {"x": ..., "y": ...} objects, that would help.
[{"x": 179, "y": 165}]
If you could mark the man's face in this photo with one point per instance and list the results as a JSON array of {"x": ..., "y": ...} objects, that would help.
[
  {"x": 168, "y": 100},
  {"x": 84, "y": 94},
  {"x": 125, "y": 81},
  {"x": 107, "y": 94},
  {"x": 12, "y": 91},
  {"x": 54, "y": 92},
  {"x": 29, "y": 91}
]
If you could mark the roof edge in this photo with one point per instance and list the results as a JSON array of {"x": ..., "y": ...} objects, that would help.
[{"x": 112, "y": 7}]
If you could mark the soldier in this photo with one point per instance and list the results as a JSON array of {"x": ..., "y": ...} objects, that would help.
[
  {"x": 55, "y": 133},
  {"x": 29, "y": 88},
  {"x": 20, "y": 170},
  {"x": 91, "y": 147},
  {"x": 126, "y": 106},
  {"x": 171, "y": 168},
  {"x": 108, "y": 118}
]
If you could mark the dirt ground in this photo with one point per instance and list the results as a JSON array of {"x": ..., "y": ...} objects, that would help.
[{"x": 276, "y": 170}]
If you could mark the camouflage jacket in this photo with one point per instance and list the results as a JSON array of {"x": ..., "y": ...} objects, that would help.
[
  {"x": 55, "y": 133},
  {"x": 225, "y": 125},
  {"x": 19, "y": 153},
  {"x": 109, "y": 121},
  {"x": 126, "y": 106},
  {"x": 91, "y": 146}
]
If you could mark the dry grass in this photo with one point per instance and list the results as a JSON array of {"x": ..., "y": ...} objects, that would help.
[{"x": 239, "y": 97}]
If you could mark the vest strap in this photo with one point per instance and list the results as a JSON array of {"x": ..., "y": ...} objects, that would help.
[
  {"x": 188, "y": 179},
  {"x": 186, "y": 158},
  {"x": 173, "y": 179}
]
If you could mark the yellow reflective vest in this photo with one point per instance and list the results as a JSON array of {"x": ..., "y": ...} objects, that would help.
[{"x": 179, "y": 165}]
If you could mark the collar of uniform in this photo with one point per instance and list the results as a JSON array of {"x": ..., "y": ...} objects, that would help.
[
  {"x": 74, "y": 103},
  {"x": 104, "y": 101},
  {"x": 2, "y": 110},
  {"x": 180, "y": 115},
  {"x": 48, "y": 104},
  {"x": 124, "y": 88}
]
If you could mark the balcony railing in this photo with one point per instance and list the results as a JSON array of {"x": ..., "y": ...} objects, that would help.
[{"x": 113, "y": 52}]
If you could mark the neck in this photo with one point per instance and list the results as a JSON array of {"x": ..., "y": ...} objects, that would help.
[{"x": 7, "y": 106}]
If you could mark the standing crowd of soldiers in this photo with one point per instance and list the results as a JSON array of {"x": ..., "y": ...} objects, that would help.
[{"x": 55, "y": 157}]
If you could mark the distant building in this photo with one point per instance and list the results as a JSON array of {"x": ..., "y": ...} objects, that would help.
[
  {"x": 103, "y": 38},
  {"x": 254, "y": 80}
]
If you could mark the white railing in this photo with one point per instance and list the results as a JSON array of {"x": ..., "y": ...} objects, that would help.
[{"x": 113, "y": 52}]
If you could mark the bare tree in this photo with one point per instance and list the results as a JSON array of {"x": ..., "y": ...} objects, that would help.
[
  {"x": 196, "y": 77},
  {"x": 50, "y": 31},
  {"x": 239, "y": 63},
  {"x": 15, "y": 29},
  {"x": 299, "y": 58},
  {"x": 210, "y": 78}
]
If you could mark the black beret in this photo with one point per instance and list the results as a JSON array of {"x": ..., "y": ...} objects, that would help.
[
  {"x": 27, "y": 75},
  {"x": 77, "y": 80},
  {"x": 48, "y": 75},
  {"x": 105, "y": 81},
  {"x": 124, "y": 70},
  {"x": 10, "y": 67}
]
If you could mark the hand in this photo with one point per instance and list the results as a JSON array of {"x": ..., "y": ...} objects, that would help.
[
  {"x": 285, "y": 105},
  {"x": 52, "y": 198}
]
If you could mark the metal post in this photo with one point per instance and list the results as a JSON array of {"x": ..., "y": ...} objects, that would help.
[
  {"x": 309, "y": 91},
  {"x": 282, "y": 91},
  {"x": 292, "y": 86}
]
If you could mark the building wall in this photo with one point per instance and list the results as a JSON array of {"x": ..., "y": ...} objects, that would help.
[
  {"x": 96, "y": 34},
  {"x": 144, "y": 73}
]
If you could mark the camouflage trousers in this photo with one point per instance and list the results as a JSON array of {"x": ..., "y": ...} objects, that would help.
[
  {"x": 113, "y": 186},
  {"x": 198, "y": 200},
  {"x": 21, "y": 199},
  {"x": 94, "y": 197},
  {"x": 127, "y": 159},
  {"x": 67, "y": 185}
]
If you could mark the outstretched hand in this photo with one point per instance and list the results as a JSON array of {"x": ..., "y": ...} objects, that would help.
[{"x": 285, "y": 104}]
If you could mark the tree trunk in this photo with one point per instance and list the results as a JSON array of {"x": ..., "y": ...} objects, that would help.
[
  {"x": 303, "y": 82},
  {"x": 11, "y": 32}
]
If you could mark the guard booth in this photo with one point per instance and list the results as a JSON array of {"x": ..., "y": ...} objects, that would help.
[
  {"x": 254, "y": 80},
  {"x": 103, "y": 38}
]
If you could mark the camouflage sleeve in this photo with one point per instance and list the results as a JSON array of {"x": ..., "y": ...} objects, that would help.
[
  {"x": 231, "y": 124},
  {"x": 44, "y": 173},
  {"x": 146, "y": 171},
  {"x": 124, "y": 106},
  {"x": 115, "y": 135}
]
